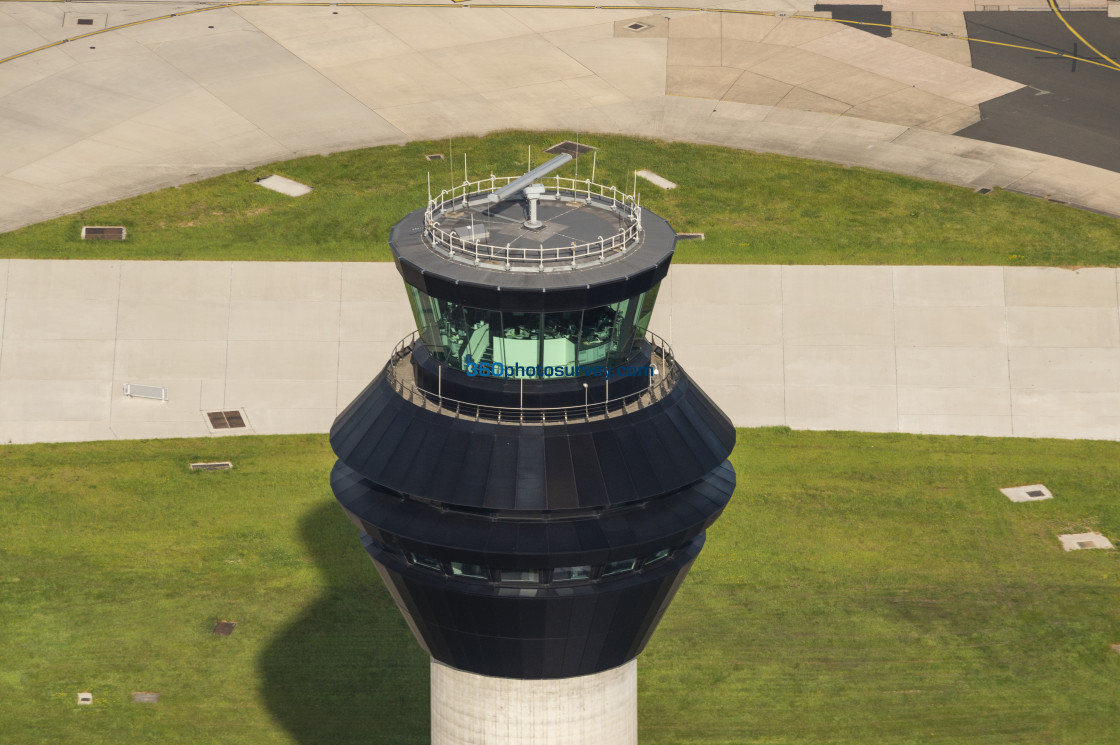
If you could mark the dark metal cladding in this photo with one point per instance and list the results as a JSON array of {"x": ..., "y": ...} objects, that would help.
[{"x": 533, "y": 550}]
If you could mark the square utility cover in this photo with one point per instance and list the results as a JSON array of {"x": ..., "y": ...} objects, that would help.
[
  {"x": 1079, "y": 541},
  {"x": 1032, "y": 493},
  {"x": 284, "y": 186}
]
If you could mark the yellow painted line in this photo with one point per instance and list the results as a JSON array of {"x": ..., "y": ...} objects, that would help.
[
  {"x": 1072, "y": 30},
  {"x": 1113, "y": 65}
]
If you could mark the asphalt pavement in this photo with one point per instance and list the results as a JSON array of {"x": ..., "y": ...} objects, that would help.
[{"x": 1071, "y": 108}]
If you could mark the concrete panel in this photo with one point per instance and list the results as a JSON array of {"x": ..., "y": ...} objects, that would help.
[
  {"x": 1080, "y": 427},
  {"x": 152, "y": 318},
  {"x": 283, "y": 320},
  {"x": 348, "y": 390},
  {"x": 750, "y": 405},
  {"x": 737, "y": 365},
  {"x": 376, "y": 321},
  {"x": 194, "y": 281},
  {"x": 952, "y": 367},
  {"x": 18, "y": 432},
  {"x": 586, "y": 710},
  {"x": 839, "y": 366},
  {"x": 33, "y": 318},
  {"x": 1063, "y": 327},
  {"x": 3, "y": 281},
  {"x": 29, "y": 359},
  {"x": 984, "y": 402},
  {"x": 141, "y": 361},
  {"x": 946, "y": 424},
  {"x": 713, "y": 323},
  {"x": 291, "y": 421},
  {"x": 808, "y": 325},
  {"x": 308, "y": 281},
  {"x": 1046, "y": 286},
  {"x": 1065, "y": 404},
  {"x": 63, "y": 280},
  {"x": 372, "y": 282},
  {"x": 147, "y": 430},
  {"x": 361, "y": 361},
  {"x": 261, "y": 395},
  {"x": 1065, "y": 369},
  {"x": 949, "y": 285},
  {"x": 927, "y": 326},
  {"x": 272, "y": 360},
  {"x": 54, "y": 400},
  {"x": 837, "y": 285},
  {"x": 864, "y": 408},
  {"x": 739, "y": 284}
]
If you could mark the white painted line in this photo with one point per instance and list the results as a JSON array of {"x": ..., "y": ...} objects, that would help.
[
  {"x": 285, "y": 186},
  {"x": 653, "y": 178}
]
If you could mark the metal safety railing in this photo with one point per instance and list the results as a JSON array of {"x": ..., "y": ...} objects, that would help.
[
  {"x": 400, "y": 376},
  {"x": 626, "y": 206}
]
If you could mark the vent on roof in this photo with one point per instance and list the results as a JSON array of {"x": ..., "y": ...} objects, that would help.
[
  {"x": 104, "y": 233},
  {"x": 225, "y": 419},
  {"x": 567, "y": 147},
  {"x": 223, "y": 465}
]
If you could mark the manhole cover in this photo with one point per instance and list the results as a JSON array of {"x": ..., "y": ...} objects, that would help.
[
  {"x": 145, "y": 697},
  {"x": 103, "y": 233},
  {"x": 1029, "y": 493},
  {"x": 1086, "y": 544},
  {"x": 567, "y": 147},
  {"x": 637, "y": 26},
  {"x": 85, "y": 698},
  {"x": 224, "y": 628},
  {"x": 225, "y": 419},
  {"x": 223, "y": 465},
  {"x": 434, "y": 156}
]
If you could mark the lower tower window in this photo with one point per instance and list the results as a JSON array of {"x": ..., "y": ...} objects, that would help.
[
  {"x": 618, "y": 567},
  {"x": 571, "y": 574},
  {"x": 469, "y": 570},
  {"x": 523, "y": 575}
]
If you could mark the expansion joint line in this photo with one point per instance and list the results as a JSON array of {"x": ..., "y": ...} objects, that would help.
[{"x": 1110, "y": 65}]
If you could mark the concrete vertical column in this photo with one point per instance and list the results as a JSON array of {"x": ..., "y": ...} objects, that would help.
[{"x": 599, "y": 709}]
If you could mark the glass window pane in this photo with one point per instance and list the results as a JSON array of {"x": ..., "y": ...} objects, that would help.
[
  {"x": 660, "y": 555},
  {"x": 469, "y": 570},
  {"x": 571, "y": 574},
  {"x": 618, "y": 567},
  {"x": 524, "y": 575},
  {"x": 426, "y": 561}
]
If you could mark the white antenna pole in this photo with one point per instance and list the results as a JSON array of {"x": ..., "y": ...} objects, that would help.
[
  {"x": 465, "y": 167},
  {"x": 593, "y": 165},
  {"x": 451, "y": 162},
  {"x": 577, "y": 153},
  {"x": 530, "y": 157},
  {"x": 429, "y": 186}
]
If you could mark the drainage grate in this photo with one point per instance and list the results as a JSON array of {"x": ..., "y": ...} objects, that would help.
[
  {"x": 85, "y": 698},
  {"x": 145, "y": 697},
  {"x": 1028, "y": 493},
  {"x": 85, "y": 21},
  {"x": 567, "y": 147},
  {"x": 434, "y": 156},
  {"x": 226, "y": 419},
  {"x": 224, "y": 628},
  {"x": 1086, "y": 544},
  {"x": 104, "y": 233},
  {"x": 635, "y": 26},
  {"x": 1036, "y": 493},
  {"x": 690, "y": 236},
  {"x": 223, "y": 465},
  {"x": 984, "y": 190}
]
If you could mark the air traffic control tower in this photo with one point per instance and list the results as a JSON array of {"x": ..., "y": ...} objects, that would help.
[{"x": 531, "y": 516}]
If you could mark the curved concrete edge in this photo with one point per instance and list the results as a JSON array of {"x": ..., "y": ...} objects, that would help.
[
  {"x": 847, "y": 140},
  {"x": 995, "y": 351},
  {"x": 469, "y": 709}
]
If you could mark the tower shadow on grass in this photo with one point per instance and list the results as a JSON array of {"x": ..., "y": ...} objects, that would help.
[{"x": 348, "y": 671}]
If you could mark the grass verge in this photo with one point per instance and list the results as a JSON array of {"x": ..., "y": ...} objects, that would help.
[
  {"x": 754, "y": 209},
  {"x": 861, "y": 588}
]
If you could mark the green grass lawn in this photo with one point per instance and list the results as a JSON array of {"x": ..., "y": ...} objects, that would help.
[
  {"x": 860, "y": 589},
  {"x": 754, "y": 209}
]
